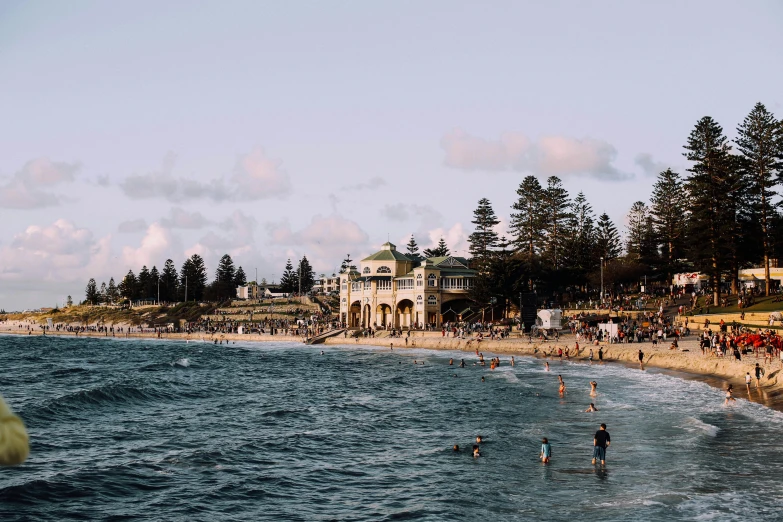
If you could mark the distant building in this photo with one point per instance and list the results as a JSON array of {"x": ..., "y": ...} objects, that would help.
[
  {"x": 327, "y": 285},
  {"x": 256, "y": 291},
  {"x": 392, "y": 290}
]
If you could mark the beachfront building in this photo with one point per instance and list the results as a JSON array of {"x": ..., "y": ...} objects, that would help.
[
  {"x": 748, "y": 277},
  {"x": 391, "y": 290}
]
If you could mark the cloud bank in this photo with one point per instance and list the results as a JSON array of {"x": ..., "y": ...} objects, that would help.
[
  {"x": 549, "y": 156},
  {"x": 25, "y": 189},
  {"x": 254, "y": 177}
]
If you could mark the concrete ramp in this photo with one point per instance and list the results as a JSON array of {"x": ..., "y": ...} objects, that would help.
[{"x": 318, "y": 339}]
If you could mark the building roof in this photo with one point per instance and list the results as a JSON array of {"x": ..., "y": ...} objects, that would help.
[
  {"x": 449, "y": 261},
  {"x": 388, "y": 252}
]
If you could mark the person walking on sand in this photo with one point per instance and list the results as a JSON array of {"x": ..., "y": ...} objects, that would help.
[
  {"x": 641, "y": 360},
  {"x": 759, "y": 373},
  {"x": 748, "y": 380},
  {"x": 601, "y": 442}
]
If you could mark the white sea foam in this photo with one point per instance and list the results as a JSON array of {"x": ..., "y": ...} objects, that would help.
[{"x": 184, "y": 362}]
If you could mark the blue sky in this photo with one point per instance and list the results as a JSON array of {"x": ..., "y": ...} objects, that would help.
[{"x": 131, "y": 132}]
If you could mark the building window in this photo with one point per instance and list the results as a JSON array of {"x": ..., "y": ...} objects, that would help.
[
  {"x": 366, "y": 270},
  {"x": 432, "y": 300},
  {"x": 384, "y": 285},
  {"x": 383, "y": 270},
  {"x": 431, "y": 280},
  {"x": 456, "y": 283},
  {"x": 345, "y": 286},
  {"x": 344, "y": 300},
  {"x": 356, "y": 287},
  {"x": 367, "y": 285},
  {"x": 419, "y": 299},
  {"x": 405, "y": 284}
]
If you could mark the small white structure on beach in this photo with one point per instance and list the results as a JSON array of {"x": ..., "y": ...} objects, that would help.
[
  {"x": 550, "y": 319},
  {"x": 609, "y": 328}
]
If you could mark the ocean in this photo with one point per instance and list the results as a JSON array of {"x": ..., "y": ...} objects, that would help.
[{"x": 169, "y": 430}]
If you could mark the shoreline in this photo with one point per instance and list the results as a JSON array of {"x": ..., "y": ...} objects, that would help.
[{"x": 688, "y": 364}]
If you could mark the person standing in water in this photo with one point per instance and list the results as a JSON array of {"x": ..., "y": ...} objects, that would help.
[
  {"x": 546, "y": 366},
  {"x": 601, "y": 354},
  {"x": 729, "y": 392},
  {"x": 546, "y": 451},
  {"x": 590, "y": 409},
  {"x": 601, "y": 442},
  {"x": 593, "y": 386},
  {"x": 748, "y": 380}
]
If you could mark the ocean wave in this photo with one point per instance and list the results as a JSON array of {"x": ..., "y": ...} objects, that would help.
[{"x": 99, "y": 396}]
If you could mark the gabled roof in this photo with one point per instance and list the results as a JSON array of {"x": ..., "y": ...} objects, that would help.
[{"x": 449, "y": 261}]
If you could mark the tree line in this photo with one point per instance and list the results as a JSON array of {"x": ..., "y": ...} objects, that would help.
[
  {"x": 722, "y": 215},
  {"x": 169, "y": 285}
]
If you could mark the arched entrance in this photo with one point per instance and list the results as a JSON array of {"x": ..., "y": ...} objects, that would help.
[
  {"x": 458, "y": 310},
  {"x": 355, "y": 315},
  {"x": 366, "y": 316},
  {"x": 383, "y": 315},
  {"x": 404, "y": 316}
]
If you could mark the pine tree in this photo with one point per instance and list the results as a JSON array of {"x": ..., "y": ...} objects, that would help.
[
  {"x": 69, "y": 302},
  {"x": 441, "y": 250},
  {"x": 347, "y": 265},
  {"x": 91, "y": 293},
  {"x": 240, "y": 279},
  {"x": 760, "y": 140},
  {"x": 412, "y": 249},
  {"x": 224, "y": 278},
  {"x": 607, "y": 239},
  {"x": 641, "y": 237},
  {"x": 112, "y": 292},
  {"x": 527, "y": 223},
  {"x": 129, "y": 286},
  {"x": 709, "y": 186},
  {"x": 169, "y": 282},
  {"x": 556, "y": 213},
  {"x": 193, "y": 278},
  {"x": 289, "y": 282},
  {"x": 668, "y": 209},
  {"x": 305, "y": 276},
  {"x": 580, "y": 244},
  {"x": 484, "y": 239},
  {"x": 103, "y": 293},
  {"x": 144, "y": 282},
  {"x": 154, "y": 283}
]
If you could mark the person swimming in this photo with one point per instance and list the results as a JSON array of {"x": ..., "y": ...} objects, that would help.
[
  {"x": 476, "y": 452},
  {"x": 591, "y": 408},
  {"x": 456, "y": 447},
  {"x": 479, "y": 439}
]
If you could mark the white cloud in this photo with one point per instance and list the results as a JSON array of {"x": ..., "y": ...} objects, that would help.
[
  {"x": 456, "y": 239},
  {"x": 325, "y": 240},
  {"x": 59, "y": 252},
  {"x": 254, "y": 177},
  {"x": 550, "y": 156},
  {"x": 155, "y": 247},
  {"x": 24, "y": 190}
]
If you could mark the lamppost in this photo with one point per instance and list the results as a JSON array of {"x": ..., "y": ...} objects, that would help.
[
  {"x": 602, "y": 280},
  {"x": 158, "y": 290}
]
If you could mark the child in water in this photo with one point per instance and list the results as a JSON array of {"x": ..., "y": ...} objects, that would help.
[
  {"x": 546, "y": 451},
  {"x": 476, "y": 452}
]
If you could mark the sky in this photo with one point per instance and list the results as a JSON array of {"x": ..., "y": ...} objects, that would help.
[{"x": 136, "y": 131}]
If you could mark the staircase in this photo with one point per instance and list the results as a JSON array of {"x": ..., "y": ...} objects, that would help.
[{"x": 318, "y": 339}]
